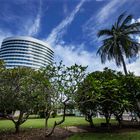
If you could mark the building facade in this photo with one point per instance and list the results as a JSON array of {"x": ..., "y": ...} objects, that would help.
[{"x": 25, "y": 51}]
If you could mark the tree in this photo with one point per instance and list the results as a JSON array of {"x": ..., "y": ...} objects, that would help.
[
  {"x": 63, "y": 85},
  {"x": 17, "y": 92},
  {"x": 108, "y": 90},
  {"x": 87, "y": 96},
  {"x": 103, "y": 92},
  {"x": 119, "y": 41},
  {"x": 132, "y": 85}
]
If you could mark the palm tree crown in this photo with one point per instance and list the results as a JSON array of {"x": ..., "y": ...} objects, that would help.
[{"x": 119, "y": 41}]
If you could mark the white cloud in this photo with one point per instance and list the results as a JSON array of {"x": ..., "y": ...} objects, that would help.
[
  {"x": 109, "y": 9},
  {"x": 71, "y": 54},
  {"x": 3, "y": 35},
  {"x": 59, "y": 30},
  {"x": 135, "y": 20},
  {"x": 102, "y": 18},
  {"x": 67, "y": 53},
  {"x": 36, "y": 23},
  {"x": 134, "y": 67},
  {"x": 30, "y": 26},
  {"x": 138, "y": 38}
]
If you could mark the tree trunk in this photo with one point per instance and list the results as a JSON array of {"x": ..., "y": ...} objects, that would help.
[
  {"x": 107, "y": 117},
  {"x": 88, "y": 118},
  {"x": 17, "y": 126},
  {"x": 47, "y": 115},
  {"x": 119, "y": 121},
  {"x": 124, "y": 65},
  {"x": 107, "y": 120},
  {"x": 59, "y": 122},
  {"x": 91, "y": 122},
  {"x": 19, "y": 122}
]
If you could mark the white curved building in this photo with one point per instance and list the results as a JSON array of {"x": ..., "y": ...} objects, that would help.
[{"x": 25, "y": 51}]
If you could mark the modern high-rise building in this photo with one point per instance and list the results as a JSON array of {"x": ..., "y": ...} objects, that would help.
[{"x": 25, "y": 51}]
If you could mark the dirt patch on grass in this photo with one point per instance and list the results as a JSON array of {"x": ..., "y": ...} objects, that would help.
[{"x": 36, "y": 134}]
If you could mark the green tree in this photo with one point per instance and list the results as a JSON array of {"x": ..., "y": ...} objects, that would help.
[
  {"x": 108, "y": 89},
  {"x": 17, "y": 92},
  {"x": 132, "y": 85},
  {"x": 103, "y": 92},
  {"x": 63, "y": 85},
  {"x": 119, "y": 41},
  {"x": 87, "y": 97}
]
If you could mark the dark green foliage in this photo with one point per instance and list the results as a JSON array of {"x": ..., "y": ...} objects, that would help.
[
  {"x": 19, "y": 90},
  {"x": 132, "y": 85},
  {"x": 41, "y": 114},
  {"x": 108, "y": 93}
]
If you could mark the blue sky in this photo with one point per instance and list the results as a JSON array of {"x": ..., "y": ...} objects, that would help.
[{"x": 68, "y": 26}]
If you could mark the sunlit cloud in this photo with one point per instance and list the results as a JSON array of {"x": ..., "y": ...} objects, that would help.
[
  {"x": 109, "y": 9},
  {"x": 34, "y": 29},
  {"x": 59, "y": 30},
  {"x": 134, "y": 67},
  {"x": 101, "y": 19},
  {"x": 71, "y": 54},
  {"x": 3, "y": 35}
]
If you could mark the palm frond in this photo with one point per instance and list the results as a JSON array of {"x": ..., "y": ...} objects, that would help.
[
  {"x": 134, "y": 32},
  {"x": 130, "y": 47},
  {"x": 107, "y": 40},
  {"x": 104, "y": 32},
  {"x": 104, "y": 50},
  {"x": 133, "y": 26},
  {"x": 120, "y": 18},
  {"x": 126, "y": 20}
]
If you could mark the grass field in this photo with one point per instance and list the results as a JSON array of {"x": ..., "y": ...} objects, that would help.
[
  {"x": 39, "y": 123},
  {"x": 107, "y": 136},
  {"x": 6, "y": 125}
]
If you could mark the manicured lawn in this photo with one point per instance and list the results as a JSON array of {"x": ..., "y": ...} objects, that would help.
[
  {"x": 73, "y": 121},
  {"x": 107, "y": 136},
  {"x": 39, "y": 123}
]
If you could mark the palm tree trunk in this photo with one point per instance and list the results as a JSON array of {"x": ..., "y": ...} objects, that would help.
[{"x": 124, "y": 65}]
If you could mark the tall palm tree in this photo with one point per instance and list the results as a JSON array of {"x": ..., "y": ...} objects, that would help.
[{"x": 119, "y": 41}]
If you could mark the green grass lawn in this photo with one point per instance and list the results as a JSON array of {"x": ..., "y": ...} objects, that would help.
[
  {"x": 6, "y": 125},
  {"x": 39, "y": 123},
  {"x": 107, "y": 136}
]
